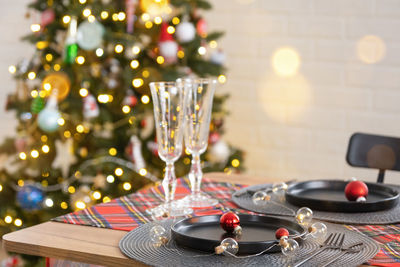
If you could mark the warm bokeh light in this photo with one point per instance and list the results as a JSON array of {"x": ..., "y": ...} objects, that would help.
[
  {"x": 8, "y": 219},
  {"x": 64, "y": 205},
  {"x": 145, "y": 99},
  {"x": 91, "y": 18},
  {"x": 18, "y": 222},
  {"x": 175, "y": 20},
  {"x": 66, "y": 19},
  {"x": 134, "y": 64},
  {"x": 213, "y": 44},
  {"x": 127, "y": 186},
  {"x": 31, "y": 75},
  {"x": 142, "y": 171},
  {"x": 110, "y": 179},
  {"x": 160, "y": 60},
  {"x": 80, "y": 205},
  {"x": 96, "y": 195},
  {"x": 45, "y": 149},
  {"x": 99, "y": 52},
  {"x": 112, "y": 151},
  {"x": 157, "y": 20},
  {"x": 34, "y": 153},
  {"x": 61, "y": 121},
  {"x": 103, "y": 98},
  {"x": 106, "y": 199},
  {"x": 119, "y": 48},
  {"x": 71, "y": 189},
  {"x": 35, "y": 27},
  {"x": 284, "y": 98},
  {"x": 136, "y": 49},
  {"x": 137, "y": 82},
  {"x": 86, "y": 12},
  {"x": 235, "y": 163},
  {"x": 80, "y": 128},
  {"x": 222, "y": 78},
  {"x": 171, "y": 29},
  {"x": 22, "y": 155},
  {"x": 121, "y": 16},
  {"x": 202, "y": 50},
  {"x": 371, "y": 49},
  {"x": 104, "y": 14},
  {"x": 80, "y": 60},
  {"x": 83, "y": 92},
  {"x": 49, "y": 202},
  {"x": 118, "y": 171},
  {"x": 12, "y": 69},
  {"x": 286, "y": 61},
  {"x": 126, "y": 109}
]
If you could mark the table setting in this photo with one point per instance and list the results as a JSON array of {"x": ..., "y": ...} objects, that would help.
[{"x": 294, "y": 223}]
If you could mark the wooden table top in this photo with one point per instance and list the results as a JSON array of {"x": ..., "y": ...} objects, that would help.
[{"x": 85, "y": 243}]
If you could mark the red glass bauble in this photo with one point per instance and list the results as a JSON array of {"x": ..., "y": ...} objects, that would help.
[
  {"x": 281, "y": 232},
  {"x": 356, "y": 189},
  {"x": 229, "y": 221}
]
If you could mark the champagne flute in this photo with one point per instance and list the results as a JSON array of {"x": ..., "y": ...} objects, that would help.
[
  {"x": 200, "y": 94},
  {"x": 169, "y": 101}
]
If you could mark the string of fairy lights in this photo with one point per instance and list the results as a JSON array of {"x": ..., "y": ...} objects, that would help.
[{"x": 149, "y": 21}]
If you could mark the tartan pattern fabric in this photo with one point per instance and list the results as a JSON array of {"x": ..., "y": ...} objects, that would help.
[{"x": 128, "y": 212}]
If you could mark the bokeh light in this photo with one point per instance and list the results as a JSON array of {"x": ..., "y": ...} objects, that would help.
[
  {"x": 371, "y": 49},
  {"x": 286, "y": 61},
  {"x": 285, "y": 98}
]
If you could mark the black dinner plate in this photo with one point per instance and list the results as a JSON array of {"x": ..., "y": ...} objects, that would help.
[
  {"x": 328, "y": 195},
  {"x": 258, "y": 233}
]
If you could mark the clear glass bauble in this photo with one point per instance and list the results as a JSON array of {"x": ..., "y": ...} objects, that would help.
[{"x": 304, "y": 216}]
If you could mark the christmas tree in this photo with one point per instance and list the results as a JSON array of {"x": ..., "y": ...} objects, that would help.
[{"x": 85, "y": 119}]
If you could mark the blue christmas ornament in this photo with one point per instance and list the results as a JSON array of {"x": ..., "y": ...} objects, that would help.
[
  {"x": 30, "y": 197},
  {"x": 48, "y": 118}
]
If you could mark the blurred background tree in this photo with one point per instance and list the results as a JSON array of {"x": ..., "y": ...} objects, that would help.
[{"x": 85, "y": 122}]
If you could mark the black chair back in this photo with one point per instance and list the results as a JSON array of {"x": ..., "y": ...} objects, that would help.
[{"x": 374, "y": 151}]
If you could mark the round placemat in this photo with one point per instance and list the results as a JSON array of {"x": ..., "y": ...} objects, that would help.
[
  {"x": 137, "y": 245},
  {"x": 244, "y": 200}
]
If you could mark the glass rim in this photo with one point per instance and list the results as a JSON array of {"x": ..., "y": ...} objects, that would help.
[
  {"x": 198, "y": 80},
  {"x": 167, "y": 83}
]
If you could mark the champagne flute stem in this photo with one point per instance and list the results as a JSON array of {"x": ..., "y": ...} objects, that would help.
[
  {"x": 195, "y": 174},
  {"x": 169, "y": 182}
]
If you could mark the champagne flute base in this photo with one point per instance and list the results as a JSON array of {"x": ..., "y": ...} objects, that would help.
[
  {"x": 198, "y": 200},
  {"x": 175, "y": 208}
]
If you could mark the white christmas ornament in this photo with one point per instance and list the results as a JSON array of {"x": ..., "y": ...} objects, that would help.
[
  {"x": 185, "y": 32},
  {"x": 220, "y": 151},
  {"x": 218, "y": 57},
  {"x": 90, "y": 107},
  {"x": 65, "y": 156},
  {"x": 168, "y": 49},
  {"x": 48, "y": 118},
  {"x": 90, "y": 35}
]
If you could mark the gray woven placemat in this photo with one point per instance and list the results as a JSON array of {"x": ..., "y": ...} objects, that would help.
[
  {"x": 137, "y": 245},
  {"x": 379, "y": 217}
]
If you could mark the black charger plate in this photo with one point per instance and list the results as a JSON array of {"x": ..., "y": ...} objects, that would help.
[
  {"x": 258, "y": 233},
  {"x": 328, "y": 195}
]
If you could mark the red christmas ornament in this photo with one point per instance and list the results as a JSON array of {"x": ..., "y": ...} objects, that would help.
[
  {"x": 229, "y": 221},
  {"x": 281, "y": 232},
  {"x": 213, "y": 138},
  {"x": 355, "y": 190},
  {"x": 47, "y": 17},
  {"x": 201, "y": 27}
]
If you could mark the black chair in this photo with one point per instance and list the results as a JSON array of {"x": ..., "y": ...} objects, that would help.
[{"x": 374, "y": 151}]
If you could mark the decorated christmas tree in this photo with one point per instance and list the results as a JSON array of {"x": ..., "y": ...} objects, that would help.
[{"x": 85, "y": 129}]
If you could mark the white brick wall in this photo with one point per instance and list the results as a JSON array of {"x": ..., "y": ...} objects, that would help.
[
  {"x": 345, "y": 94},
  {"x": 342, "y": 93}
]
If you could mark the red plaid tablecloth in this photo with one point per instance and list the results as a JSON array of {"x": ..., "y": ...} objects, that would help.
[{"x": 128, "y": 212}]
